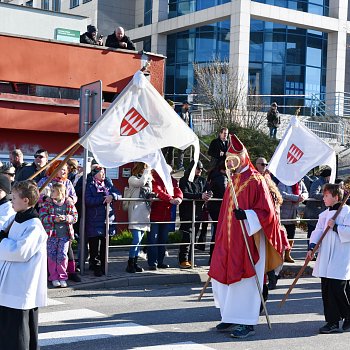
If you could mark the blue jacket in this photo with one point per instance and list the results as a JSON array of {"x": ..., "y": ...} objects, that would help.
[{"x": 96, "y": 211}]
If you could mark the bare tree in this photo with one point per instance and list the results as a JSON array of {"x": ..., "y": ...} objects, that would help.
[
  {"x": 218, "y": 85},
  {"x": 254, "y": 116},
  {"x": 221, "y": 88}
]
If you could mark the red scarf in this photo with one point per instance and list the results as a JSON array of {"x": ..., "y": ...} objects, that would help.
[{"x": 296, "y": 189}]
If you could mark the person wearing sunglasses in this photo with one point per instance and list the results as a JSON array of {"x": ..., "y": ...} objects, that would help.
[
  {"x": 40, "y": 160},
  {"x": 9, "y": 171},
  {"x": 261, "y": 165}
]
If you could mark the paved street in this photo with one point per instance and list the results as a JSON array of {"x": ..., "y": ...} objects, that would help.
[{"x": 170, "y": 317}]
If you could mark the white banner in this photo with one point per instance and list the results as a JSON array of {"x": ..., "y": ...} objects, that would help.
[
  {"x": 299, "y": 151},
  {"x": 136, "y": 126}
]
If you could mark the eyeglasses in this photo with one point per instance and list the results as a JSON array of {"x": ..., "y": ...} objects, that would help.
[
  {"x": 38, "y": 156},
  {"x": 264, "y": 164},
  {"x": 10, "y": 174},
  {"x": 199, "y": 168}
]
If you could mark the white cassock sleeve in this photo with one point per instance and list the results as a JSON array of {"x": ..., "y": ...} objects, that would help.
[{"x": 252, "y": 222}]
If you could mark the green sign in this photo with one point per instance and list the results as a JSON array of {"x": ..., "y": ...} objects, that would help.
[{"x": 72, "y": 36}]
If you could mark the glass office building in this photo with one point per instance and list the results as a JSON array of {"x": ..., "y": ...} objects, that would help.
[
  {"x": 200, "y": 45},
  {"x": 283, "y": 60}
]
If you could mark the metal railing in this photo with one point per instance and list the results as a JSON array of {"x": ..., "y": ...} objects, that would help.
[
  {"x": 329, "y": 131},
  {"x": 193, "y": 222}
]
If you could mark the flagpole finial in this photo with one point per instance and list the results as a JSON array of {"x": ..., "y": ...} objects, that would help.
[{"x": 144, "y": 69}]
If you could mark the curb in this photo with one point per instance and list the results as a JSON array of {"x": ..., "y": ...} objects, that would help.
[
  {"x": 175, "y": 277},
  {"x": 141, "y": 280},
  {"x": 164, "y": 279}
]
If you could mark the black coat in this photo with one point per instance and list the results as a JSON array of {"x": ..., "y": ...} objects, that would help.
[
  {"x": 273, "y": 118},
  {"x": 113, "y": 42},
  {"x": 191, "y": 190},
  {"x": 217, "y": 182},
  {"x": 216, "y": 146},
  {"x": 28, "y": 171},
  {"x": 87, "y": 38}
]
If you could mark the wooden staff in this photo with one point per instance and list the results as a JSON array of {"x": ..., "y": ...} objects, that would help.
[
  {"x": 52, "y": 160},
  {"x": 64, "y": 161},
  {"x": 204, "y": 288},
  {"x": 307, "y": 260},
  {"x": 243, "y": 229}
]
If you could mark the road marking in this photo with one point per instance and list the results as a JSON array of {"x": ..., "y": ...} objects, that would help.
[
  {"x": 51, "y": 302},
  {"x": 176, "y": 346},
  {"x": 92, "y": 333},
  {"x": 68, "y": 315}
]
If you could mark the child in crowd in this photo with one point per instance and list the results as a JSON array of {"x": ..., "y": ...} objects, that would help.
[
  {"x": 58, "y": 217},
  {"x": 333, "y": 260},
  {"x": 6, "y": 210},
  {"x": 23, "y": 286}
]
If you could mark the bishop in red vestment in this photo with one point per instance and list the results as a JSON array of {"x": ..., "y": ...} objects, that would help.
[{"x": 233, "y": 276}]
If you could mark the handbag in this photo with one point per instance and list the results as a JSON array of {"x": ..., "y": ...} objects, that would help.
[{"x": 128, "y": 193}]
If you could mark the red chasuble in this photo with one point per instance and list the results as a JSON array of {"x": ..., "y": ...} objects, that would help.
[{"x": 230, "y": 261}]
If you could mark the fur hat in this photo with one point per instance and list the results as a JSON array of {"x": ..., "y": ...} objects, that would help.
[{"x": 5, "y": 184}]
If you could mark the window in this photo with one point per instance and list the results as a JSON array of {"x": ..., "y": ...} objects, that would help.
[
  {"x": 56, "y": 5},
  {"x": 85, "y": 1},
  {"x": 45, "y": 4},
  {"x": 148, "y": 12},
  {"x": 74, "y": 3},
  {"x": 319, "y": 7},
  {"x": 29, "y": 3}
]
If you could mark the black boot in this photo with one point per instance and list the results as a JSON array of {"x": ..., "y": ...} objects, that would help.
[
  {"x": 272, "y": 280},
  {"x": 137, "y": 267},
  {"x": 265, "y": 293},
  {"x": 131, "y": 266},
  {"x": 98, "y": 271}
]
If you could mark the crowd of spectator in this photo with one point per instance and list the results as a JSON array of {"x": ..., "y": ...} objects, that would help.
[{"x": 60, "y": 204}]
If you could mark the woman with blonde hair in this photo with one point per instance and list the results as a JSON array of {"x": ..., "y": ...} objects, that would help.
[{"x": 140, "y": 186}]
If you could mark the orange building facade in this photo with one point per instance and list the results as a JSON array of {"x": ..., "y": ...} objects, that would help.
[{"x": 28, "y": 65}]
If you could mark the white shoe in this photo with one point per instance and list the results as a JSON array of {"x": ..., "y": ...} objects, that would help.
[
  {"x": 56, "y": 283},
  {"x": 142, "y": 255},
  {"x": 63, "y": 284}
]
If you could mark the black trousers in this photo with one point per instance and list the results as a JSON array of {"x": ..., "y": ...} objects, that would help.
[
  {"x": 290, "y": 230},
  {"x": 185, "y": 253},
  {"x": 335, "y": 296},
  {"x": 19, "y": 329},
  {"x": 97, "y": 248}
]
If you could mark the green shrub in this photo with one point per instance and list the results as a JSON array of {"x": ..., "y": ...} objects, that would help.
[{"x": 125, "y": 237}]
